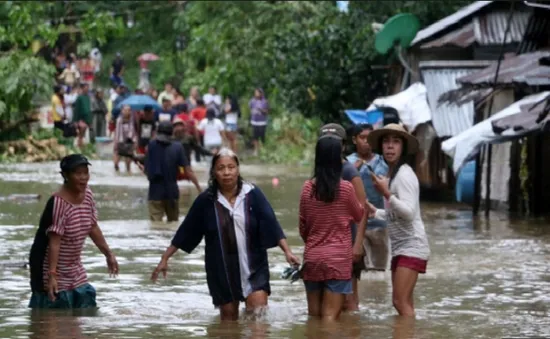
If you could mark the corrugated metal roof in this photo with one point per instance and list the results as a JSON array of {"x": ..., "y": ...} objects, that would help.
[
  {"x": 532, "y": 117},
  {"x": 450, "y": 20},
  {"x": 448, "y": 120},
  {"x": 462, "y": 147},
  {"x": 489, "y": 29},
  {"x": 523, "y": 68},
  {"x": 486, "y": 30},
  {"x": 537, "y": 32},
  {"x": 462, "y": 37}
]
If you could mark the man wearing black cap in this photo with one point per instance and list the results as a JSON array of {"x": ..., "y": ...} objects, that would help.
[
  {"x": 58, "y": 278},
  {"x": 162, "y": 164},
  {"x": 350, "y": 173}
]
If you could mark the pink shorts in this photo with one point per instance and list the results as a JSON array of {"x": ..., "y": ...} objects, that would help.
[{"x": 412, "y": 263}]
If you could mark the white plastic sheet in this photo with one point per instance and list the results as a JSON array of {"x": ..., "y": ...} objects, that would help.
[
  {"x": 465, "y": 145},
  {"x": 411, "y": 104}
]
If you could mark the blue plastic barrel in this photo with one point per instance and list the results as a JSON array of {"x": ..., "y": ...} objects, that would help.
[{"x": 465, "y": 183}]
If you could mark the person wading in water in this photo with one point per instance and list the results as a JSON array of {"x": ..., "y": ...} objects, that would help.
[
  {"x": 58, "y": 278},
  {"x": 163, "y": 161},
  {"x": 238, "y": 226},
  {"x": 328, "y": 205},
  {"x": 408, "y": 240},
  {"x": 350, "y": 173}
]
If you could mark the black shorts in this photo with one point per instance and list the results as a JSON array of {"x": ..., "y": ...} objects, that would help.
[{"x": 258, "y": 133}]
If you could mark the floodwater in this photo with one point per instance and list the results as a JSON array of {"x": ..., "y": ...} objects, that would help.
[{"x": 486, "y": 279}]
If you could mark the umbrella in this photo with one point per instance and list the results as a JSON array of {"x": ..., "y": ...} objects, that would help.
[
  {"x": 148, "y": 57},
  {"x": 137, "y": 102}
]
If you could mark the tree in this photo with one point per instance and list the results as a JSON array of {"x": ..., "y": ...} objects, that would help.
[{"x": 24, "y": 77}]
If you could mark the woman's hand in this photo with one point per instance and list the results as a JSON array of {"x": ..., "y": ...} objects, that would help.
[
  {"x": 52, "y": 287},
  {"x": 358, "y": 252},
  {"x": 292, "y": 259},
  {"x": 371, "y": 209},
  {"x": 382, "y": 185},
  {"x": 358, "y": 163},
  {"x": 161, "y": 267},
  {"x": 112, "y": 265}
]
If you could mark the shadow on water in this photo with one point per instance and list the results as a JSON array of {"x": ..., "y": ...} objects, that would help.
[{"x": 485, "y": 278}]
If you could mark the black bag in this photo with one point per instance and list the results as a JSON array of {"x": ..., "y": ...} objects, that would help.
[
  {"x": 69, "y": 130},
  {"x": 125, "y": 149}
]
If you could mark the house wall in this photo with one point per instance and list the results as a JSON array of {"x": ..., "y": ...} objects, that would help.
[
  {"x": 539, "y": 167},
  {"x": 500, "y": 160}
]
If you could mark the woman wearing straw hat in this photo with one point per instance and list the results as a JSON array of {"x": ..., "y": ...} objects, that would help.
[{"x": 409, "y": 243}]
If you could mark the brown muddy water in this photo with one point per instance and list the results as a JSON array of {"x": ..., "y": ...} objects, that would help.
[{"x": 486, "y": 279}]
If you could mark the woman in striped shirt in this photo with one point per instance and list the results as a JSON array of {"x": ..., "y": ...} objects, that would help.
[
  {"x": 58, "y": 278},
  {"x": 328, "y": 206},
  {"x": 409, "y": 243}
]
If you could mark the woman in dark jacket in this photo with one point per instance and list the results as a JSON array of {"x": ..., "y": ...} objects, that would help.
[{"x": 238, "y": 226}]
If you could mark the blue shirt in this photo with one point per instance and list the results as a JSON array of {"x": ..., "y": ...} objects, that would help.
[
  {"x": 380, "y": 168},
  {"x": 162, "y": 165}
]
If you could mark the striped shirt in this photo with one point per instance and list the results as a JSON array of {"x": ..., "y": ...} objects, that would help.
[
  {"x": 402, "y": 212},
  {"x": 325, "y": 229},
  {"x": 73, "y": 223}
]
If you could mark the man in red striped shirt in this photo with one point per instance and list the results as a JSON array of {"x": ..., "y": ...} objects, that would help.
[{"x": 58, "y": 278}]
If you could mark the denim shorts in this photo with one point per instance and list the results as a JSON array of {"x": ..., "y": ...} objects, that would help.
[
  {"x": 231, "y": 127},
  {"x": 334, "y": 286}
]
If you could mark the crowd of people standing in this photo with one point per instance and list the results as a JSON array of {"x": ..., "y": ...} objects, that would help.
[{"x": 208, "y": 122}]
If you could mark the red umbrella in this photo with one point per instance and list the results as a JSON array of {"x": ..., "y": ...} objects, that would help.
[{"x": 148, "y": 57}]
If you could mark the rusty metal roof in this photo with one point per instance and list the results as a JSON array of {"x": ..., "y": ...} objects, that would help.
[
  {"x": 462, "y": 37},
  {"x": 487, "y": 29},
  {"x": 440, "y": 77},
  {"x": 532, "y": 117},
  {"x": 490, "y": 28},
  {"x": 450, "y": 20},
  {"x": 523, "y": 68}
]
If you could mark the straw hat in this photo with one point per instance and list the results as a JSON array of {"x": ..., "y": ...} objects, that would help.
[{"x": 375, "y": 137}]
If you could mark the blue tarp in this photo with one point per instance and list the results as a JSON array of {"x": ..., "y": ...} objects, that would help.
[{"x": 375, "y": 117}]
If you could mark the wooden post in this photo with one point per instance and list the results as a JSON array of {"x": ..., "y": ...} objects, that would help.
[
  {"x": 488, "y": 180},
  {"x": 477, "y": 184}
]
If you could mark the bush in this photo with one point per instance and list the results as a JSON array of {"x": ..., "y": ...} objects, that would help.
[{"x": 290, "y": 139}]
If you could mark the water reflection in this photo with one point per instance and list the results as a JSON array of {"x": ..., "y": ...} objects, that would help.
[
  {"x": 236, "y": 330},
  {"x": 57, "y": 324}
]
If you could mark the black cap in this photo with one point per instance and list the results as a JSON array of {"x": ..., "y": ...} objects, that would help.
[
  {"x": 164, "y": 131},
  {"x": 333, "y": 129},
  {"x": 70, "y": 162}
]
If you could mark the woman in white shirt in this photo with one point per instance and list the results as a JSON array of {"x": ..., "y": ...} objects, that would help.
[
  {"x": 232, "y": 112},
  {"x": 214, "y": 133},
  {"x": 409, "y": 243}
]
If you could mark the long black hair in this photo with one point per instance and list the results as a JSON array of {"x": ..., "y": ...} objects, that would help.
[
  {"x": 213, "y": 185},
  {"x": 328, "y": 168},
  {"x": 210, "y": 114},
  {"x": 235, "y": 107},
  {"x": 402, "y": 157}
]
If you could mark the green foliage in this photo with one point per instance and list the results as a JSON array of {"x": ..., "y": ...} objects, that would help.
[
  {"x": 22, "y": 79},
  {"x": 25, "y": 78},
  {"x": 291, "y": 139}
]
